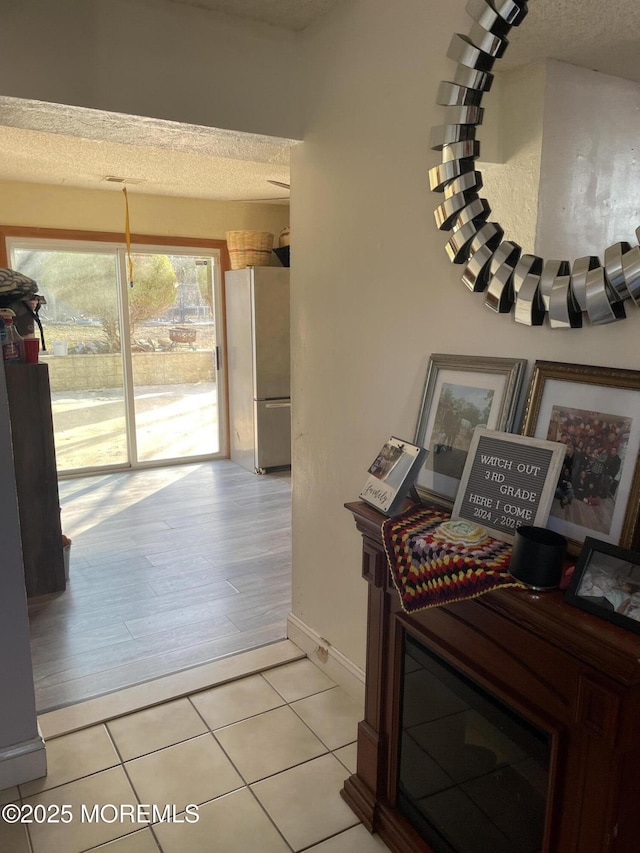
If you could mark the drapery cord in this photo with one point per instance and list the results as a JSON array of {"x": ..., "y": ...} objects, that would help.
[{"x": 127, "y": 235}]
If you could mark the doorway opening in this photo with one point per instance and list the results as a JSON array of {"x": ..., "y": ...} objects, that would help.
[{"x": 171, "y": 565}]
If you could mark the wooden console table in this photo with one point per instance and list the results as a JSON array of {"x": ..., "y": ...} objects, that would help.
[{"x": 571, "y": 674}]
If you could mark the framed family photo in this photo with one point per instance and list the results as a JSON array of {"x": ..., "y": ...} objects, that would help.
[
  {"x": 606, "y": 582},
  {"x": 460, "y": 393},
  {"x": 595, "y": 413}
]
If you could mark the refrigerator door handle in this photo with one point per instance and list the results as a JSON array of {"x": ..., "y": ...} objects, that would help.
[{"x": 286, "y": 405}]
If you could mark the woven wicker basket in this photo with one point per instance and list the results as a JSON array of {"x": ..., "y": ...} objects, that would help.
[{"x": 249, "y": 249}]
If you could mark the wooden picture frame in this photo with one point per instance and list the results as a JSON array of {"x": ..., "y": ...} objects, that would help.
[
  {"x": 595, "y": 412},
  {"x": 484, "y": 388},
  {"x": 606, "y": 582}
]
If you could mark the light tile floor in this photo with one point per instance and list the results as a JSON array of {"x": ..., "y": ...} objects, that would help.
[{"x": 263, "y": 758}]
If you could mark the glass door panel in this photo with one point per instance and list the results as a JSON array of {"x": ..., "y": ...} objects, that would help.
[
  {"x": 134, "y": 370},
  {"x": 173, "y": 356},
  {"x": 82, "y": 332}
]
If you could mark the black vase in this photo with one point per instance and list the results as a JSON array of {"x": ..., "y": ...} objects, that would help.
[
  {"x": 283, "y": 255},
  {"x": 537, "y": 557}
]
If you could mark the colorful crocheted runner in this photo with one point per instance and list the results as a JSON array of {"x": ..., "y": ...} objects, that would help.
[{"x": 428, "y": 571}]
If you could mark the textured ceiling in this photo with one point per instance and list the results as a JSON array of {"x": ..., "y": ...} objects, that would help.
[
  {"x": 294, "y": 15},
  {"x": 48, "y": 143},
  {"x": 589, "y": 33}
]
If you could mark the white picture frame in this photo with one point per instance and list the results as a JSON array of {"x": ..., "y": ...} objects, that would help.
[{"x": 391, "y": 475}]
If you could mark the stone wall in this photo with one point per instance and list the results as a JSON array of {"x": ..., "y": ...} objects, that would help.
[{"x": 90, "y": 372}]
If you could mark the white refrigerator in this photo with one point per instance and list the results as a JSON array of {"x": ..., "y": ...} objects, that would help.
[{"x": 258, "y": 335}]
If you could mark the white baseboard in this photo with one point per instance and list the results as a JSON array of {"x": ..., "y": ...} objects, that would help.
[
  {"x": 23, "y": 762},
  {"x": 332, "y": 662}
]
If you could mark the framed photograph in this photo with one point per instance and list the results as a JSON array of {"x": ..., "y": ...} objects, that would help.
[
  {"x": 595, "y": 413},
  {"x": 391, "y": 475},
  {"x": 461, "y": 392},
  {"x": 606, "y": 582}
]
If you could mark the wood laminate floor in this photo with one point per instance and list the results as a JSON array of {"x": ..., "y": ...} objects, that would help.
[{"x": 170, "y": 568}]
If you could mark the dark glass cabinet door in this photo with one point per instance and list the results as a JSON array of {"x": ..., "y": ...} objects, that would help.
[{"x": 473, "y": 774}]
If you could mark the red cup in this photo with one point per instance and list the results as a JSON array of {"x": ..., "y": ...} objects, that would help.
[{"x": 31, "y": 350}]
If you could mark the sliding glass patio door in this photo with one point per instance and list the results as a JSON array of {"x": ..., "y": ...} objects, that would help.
[
  {"x": 174, "y": 357},
  {"x": 134, "y": 368}
]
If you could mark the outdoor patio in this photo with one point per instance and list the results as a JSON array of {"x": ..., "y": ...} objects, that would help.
[{"x": 173, "y": 422}]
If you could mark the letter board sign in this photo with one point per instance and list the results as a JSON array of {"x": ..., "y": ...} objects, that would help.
[{"x": 508, "y": 481}]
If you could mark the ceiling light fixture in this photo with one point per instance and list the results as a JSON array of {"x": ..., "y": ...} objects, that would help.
[{"x": 116, "y": 179}]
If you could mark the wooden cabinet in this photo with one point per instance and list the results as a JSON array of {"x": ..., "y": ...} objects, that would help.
[
  {"x": 571, "y": 674},
  {"x": 36, "y": 477}
]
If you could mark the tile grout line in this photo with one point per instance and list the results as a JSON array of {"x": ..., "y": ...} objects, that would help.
[
  {"x": 247, "y": 785},
  {"x": 309, "y": 727},
  {"x": 137, "y": 796},
  {"x": 130, "y": 781},
  {"x": 210, "y": 731},
  {"x": 268, "y": 816}
]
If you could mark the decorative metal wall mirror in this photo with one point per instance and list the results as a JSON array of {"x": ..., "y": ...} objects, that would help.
[{"x": 532, "y": 287}]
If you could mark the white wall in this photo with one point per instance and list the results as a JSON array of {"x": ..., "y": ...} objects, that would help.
[
  {"x": 166, "y": 60},
  {"x": 373, "y": 293},
  {"x": 590, "y": 170},
  {"x": 512, "y": 128},
  {"x": 566, "y": 178},
  {"x": 49, "y": 206}
]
